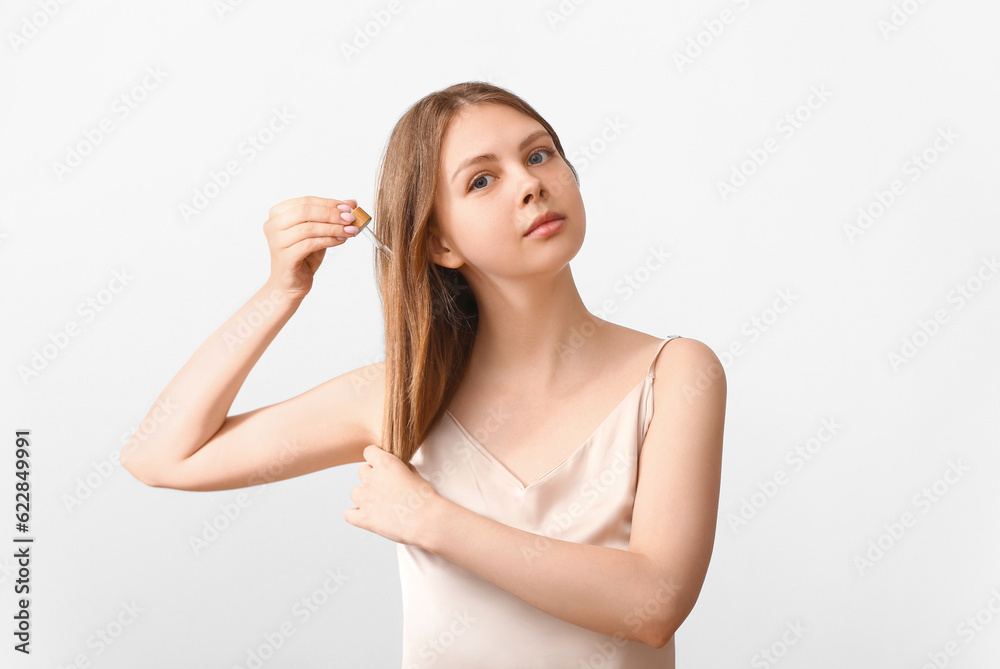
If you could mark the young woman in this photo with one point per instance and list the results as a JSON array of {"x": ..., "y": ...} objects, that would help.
[{"x": 545, "y": 514}]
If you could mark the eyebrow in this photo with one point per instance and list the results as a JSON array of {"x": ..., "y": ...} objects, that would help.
[{"x": 492, "y": 156}]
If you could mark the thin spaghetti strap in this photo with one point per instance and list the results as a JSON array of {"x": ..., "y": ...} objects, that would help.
[{"x": 651, "y": 373}]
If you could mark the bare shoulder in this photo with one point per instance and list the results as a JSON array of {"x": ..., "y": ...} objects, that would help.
[
  {"x": 688, "y": 369},
  {"x": 688, "y": 349},
  {"x": 630, "y": 342},
  {"x": 691, "y": 354}
]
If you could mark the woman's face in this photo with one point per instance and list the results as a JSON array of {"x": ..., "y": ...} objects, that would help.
[{"x": 483, "y": 208}]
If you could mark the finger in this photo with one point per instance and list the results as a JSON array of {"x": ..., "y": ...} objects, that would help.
[
  {"x": 308, "y": 246},
  {"x": 312, "y": 231},
  {"x": 282, "y": 207},
  {"x": 307, "y": 208},
  {"x": 318, "y": 222},
  {"x": 291, "y": 202},
  {"x": 321, "y": 212},
  {"x": 372, "y": 453},
  {"x": 352, "y": 516}
]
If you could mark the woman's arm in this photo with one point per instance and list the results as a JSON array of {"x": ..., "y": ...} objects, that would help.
[
  {"x": 187, "y": 441},
  {"x": 646, "y": 592},
  {"x": 195, "y": 403}
]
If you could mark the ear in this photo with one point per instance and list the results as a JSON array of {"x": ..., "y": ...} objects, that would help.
[{"x": 440, "y": 252}]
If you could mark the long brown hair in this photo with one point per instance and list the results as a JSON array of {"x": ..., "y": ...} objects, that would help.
[{"x": 430, "y": 312}]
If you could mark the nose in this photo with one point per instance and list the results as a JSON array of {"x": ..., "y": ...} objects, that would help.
[
  {"x": 532, "y": 187},
  {"x": 528, "y": 196}
]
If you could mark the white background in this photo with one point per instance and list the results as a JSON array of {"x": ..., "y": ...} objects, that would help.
[{"x": 104, "y": 541}]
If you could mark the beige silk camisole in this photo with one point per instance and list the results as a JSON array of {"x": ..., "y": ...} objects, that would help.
[{"x": 454, "y": 619}]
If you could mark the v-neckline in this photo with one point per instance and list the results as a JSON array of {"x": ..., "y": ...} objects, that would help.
[{"x": 503, "y": 468}]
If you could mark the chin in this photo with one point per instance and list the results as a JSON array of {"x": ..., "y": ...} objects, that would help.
[{"x": 571, "y": 242}]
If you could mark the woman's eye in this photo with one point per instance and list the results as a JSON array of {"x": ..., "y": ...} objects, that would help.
[
  {"x": 537, "y": 152},
  {"x": 477, "y": 180}
]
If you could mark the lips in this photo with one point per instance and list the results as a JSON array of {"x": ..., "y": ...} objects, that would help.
[{"x": 543, "y": 218}]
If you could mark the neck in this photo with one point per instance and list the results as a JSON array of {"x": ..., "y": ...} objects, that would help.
[{"x": 531, "y": 330}]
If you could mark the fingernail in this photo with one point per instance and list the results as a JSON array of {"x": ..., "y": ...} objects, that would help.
[
  {"x": 352, "y": 229},
  {"x": 344, "y": 207},
  {"x": 348, "y": 217}
]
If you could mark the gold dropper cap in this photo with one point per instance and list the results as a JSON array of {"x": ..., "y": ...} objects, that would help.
[{"x": 361, "y": 217}]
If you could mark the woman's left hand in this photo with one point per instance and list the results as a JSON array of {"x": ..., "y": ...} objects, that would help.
[{"x": 393, "y": 500}]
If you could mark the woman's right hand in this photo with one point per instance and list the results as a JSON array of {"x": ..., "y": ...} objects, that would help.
[{"x": 299, "y": 231}]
